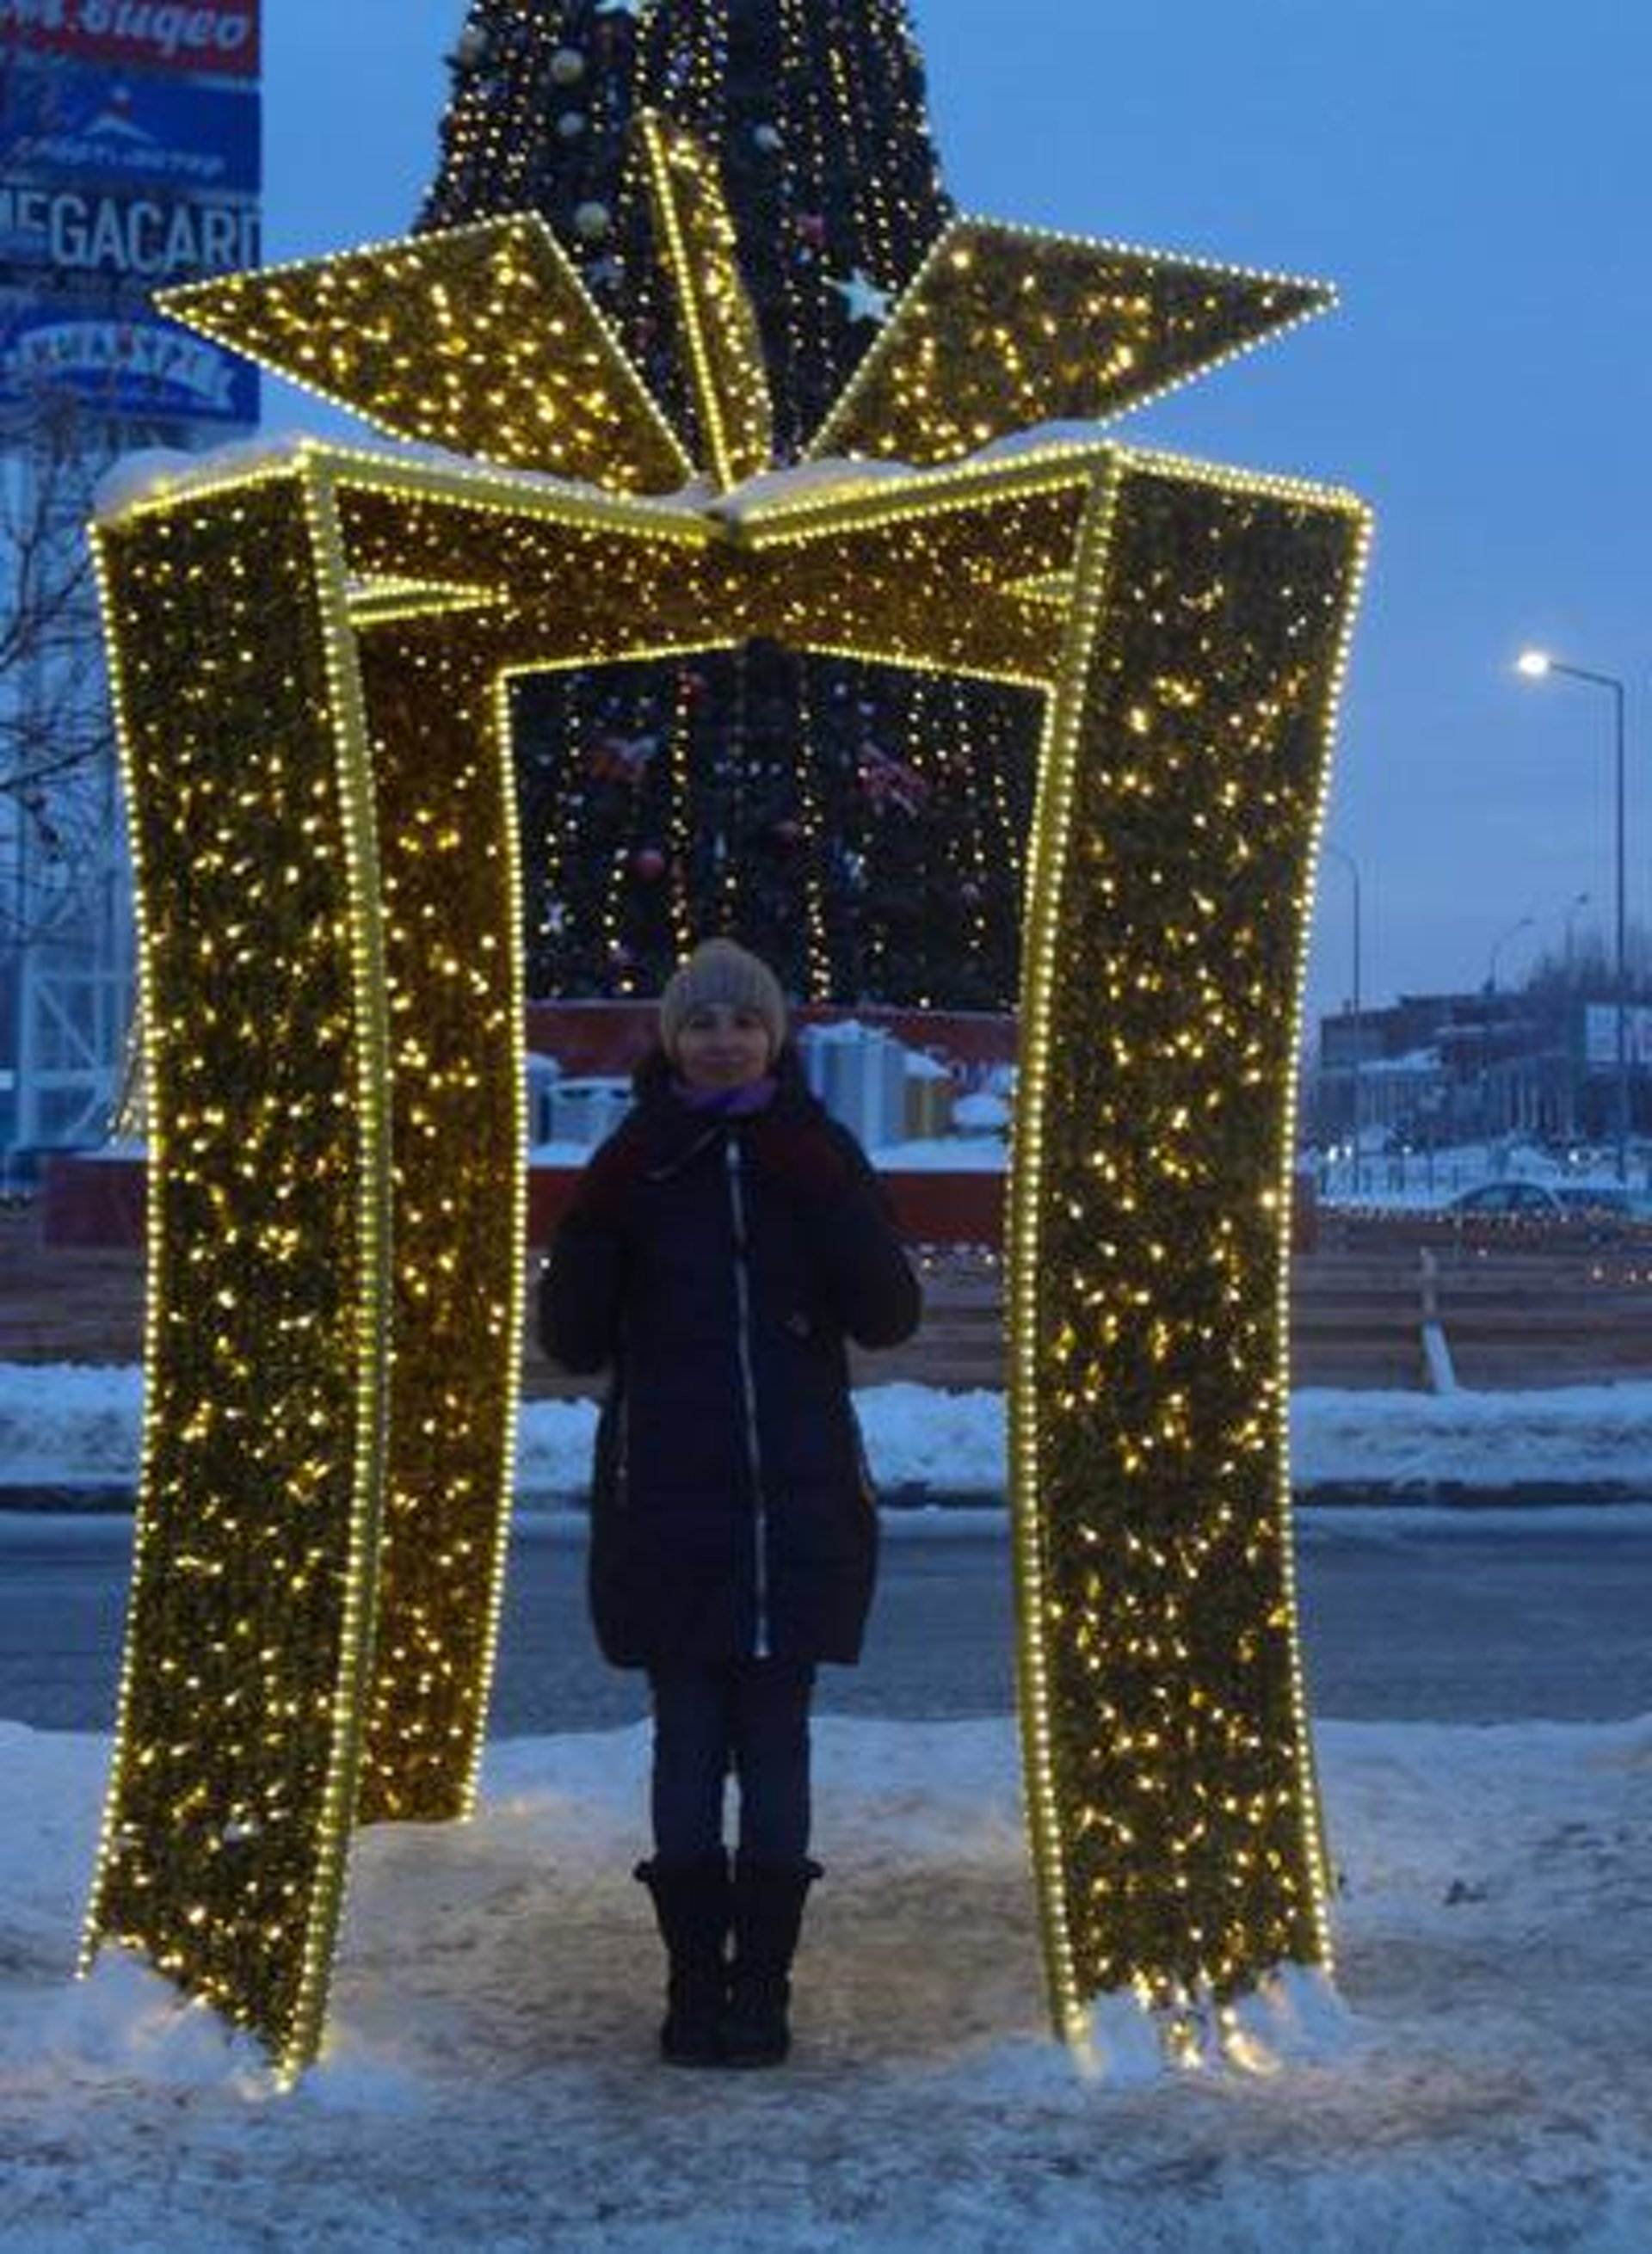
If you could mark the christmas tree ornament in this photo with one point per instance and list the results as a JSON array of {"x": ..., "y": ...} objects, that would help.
[
  {"x": 571, "y": 124},
  {"x": 567, "y": 66},
  {"x": 315, "y": 657},
  {"x": 864, "y": 300},
  {"x": 844, "y": 97},
  {"x": 593, "y": 221}
]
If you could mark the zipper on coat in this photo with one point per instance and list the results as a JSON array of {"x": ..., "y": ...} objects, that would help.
[
  {"x": 748, "y": 1382},
  {"x": 622, "y": 1476}
]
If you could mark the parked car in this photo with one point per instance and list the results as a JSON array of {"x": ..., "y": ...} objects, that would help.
[
  {"x": 1601, "y": 1198},
  {"x": 1508, "y": 1201}
]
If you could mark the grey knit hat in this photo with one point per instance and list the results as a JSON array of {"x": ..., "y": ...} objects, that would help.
[{"x": 720, "y": 971}]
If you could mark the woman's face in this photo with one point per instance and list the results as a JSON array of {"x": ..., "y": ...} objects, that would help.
[{"x": 721, "y": 1047}]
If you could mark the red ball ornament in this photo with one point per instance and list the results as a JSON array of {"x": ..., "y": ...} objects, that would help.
[{"x": 649, "y": 863}]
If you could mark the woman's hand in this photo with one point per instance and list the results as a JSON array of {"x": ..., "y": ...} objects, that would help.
[{"x": 801, "y": 1156}]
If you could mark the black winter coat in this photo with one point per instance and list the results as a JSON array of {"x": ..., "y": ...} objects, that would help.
[{"x": 716, "y": 1266}]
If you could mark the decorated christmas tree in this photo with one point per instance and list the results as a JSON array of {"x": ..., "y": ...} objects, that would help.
[{"x": 863, "y": 832}]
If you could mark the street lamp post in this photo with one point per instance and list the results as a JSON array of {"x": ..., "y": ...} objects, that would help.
[
  {"x": 1498, "y": 945},
  {"x": 1537, "y": 665},
  {"x": 1573, "y": 1074},
  {"x": 1572, "y": 911},
  {"x": 1353, "y": 868}
]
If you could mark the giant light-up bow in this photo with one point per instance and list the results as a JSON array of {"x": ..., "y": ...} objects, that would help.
[{"x": 314, "y": 653}]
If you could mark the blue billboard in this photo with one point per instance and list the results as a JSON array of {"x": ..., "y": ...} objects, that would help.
[
  {"x": 48, "y": 227},
  {"x": 125, "y": 363},
  {"x": 114, "y": 182},
  {"x": 67, "y": 120}
]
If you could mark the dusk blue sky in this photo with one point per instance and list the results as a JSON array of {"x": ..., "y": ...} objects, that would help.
[{"x": 1472, "y": 173}]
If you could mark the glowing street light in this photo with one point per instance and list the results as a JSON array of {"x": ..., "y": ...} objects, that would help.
[{"x": 1537, "y": 665}]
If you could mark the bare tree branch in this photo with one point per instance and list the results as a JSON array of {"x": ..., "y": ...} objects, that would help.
[{"x": 56, "y": 735}]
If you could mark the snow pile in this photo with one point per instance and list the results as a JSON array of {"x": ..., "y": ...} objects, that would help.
[
  {"x": 151, "y": 475},
  {"x": 918, "y": 1436},
  {"x": 67, "y": 1423},
  {"x": 831, "y": 478},
  {"x": 975, "y": 1152},
  {"x": 981, "y": 1114},
  {"x": 553, "y": 1448},
  {"x": 1575, "y": 1435},
  {"x": 493, "y": 2084},
  {"x": 158, "y": 474}
]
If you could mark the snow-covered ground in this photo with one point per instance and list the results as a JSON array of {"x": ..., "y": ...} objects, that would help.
[
  {"x": 65, "y": 1424},
  {"x": 492, "y": 2083}
]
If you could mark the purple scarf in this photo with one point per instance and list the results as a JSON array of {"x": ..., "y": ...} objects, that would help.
[{"x": 726, "y": 1103}]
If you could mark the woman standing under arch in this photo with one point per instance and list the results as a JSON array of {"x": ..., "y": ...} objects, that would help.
[{"x": 722, "y": 1246}]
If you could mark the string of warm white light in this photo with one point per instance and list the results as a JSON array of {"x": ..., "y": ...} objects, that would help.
[
  {"x": 819, "y": 119},
  {"x": 316, "y": 659}
]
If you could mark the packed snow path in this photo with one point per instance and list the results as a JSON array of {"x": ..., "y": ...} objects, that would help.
[{"x": 493, "y": 2084}]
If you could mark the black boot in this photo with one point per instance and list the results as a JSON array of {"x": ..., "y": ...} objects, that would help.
[
  {"x": 768, "y": 1914},
  {"x": 691, "y": 1902}
]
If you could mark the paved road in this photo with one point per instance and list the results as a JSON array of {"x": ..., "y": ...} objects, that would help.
[{"x": 1447, "y": 1616}]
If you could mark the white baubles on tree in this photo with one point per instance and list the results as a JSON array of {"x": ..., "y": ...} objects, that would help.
[
  {"x": 592, "y": 221},
  {"x": 567, "y": 66}
]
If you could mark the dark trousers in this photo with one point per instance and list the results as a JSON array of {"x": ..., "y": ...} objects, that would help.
[{"x": 750, "y": 1717}]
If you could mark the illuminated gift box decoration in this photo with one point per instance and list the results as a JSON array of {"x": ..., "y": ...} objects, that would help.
[{"x": 314, "y": 655}]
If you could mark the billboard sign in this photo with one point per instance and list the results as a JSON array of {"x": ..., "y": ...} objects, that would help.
[
  {"x": 154, "y": 238},
  {"x": 129, "y": 159},
  {"x": 65, "y": 122},
  {"x": 125, "y": 364},
  {"x": 1600, "y": 1036},
  {"x": 203, "y": 38}
]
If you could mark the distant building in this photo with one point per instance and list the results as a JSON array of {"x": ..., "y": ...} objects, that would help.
[{"x": 1437, "y": 1068}]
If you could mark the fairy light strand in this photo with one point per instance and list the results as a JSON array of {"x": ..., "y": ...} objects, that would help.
[{"x": 336, "y": 1061}]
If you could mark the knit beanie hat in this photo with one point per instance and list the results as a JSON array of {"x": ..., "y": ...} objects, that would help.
[{"x": 720, "y": 972}]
